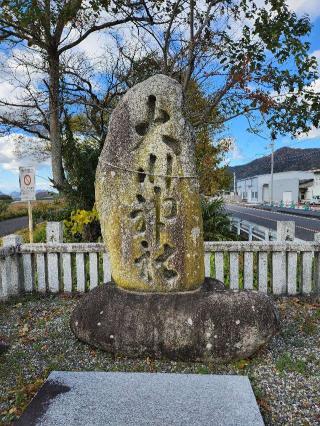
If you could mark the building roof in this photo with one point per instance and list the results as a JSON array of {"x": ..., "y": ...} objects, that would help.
[
  {"x": 305, "y": 183},
  {"x": 279, "y": 173}
]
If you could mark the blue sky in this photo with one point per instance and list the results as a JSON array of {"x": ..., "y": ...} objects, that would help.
[{"x": 247, "y": 146}]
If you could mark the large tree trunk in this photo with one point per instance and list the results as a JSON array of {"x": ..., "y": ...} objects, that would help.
[{"x": 55, "y": 139}]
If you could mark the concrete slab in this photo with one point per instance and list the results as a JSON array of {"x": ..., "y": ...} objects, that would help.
[{"x": 101, "y": 398}]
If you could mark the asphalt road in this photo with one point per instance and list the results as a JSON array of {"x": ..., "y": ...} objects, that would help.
[
  {"x": 305, "y": 227},
  {"x": 9, "y": 226}
]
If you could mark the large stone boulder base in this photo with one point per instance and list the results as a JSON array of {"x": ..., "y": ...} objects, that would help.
[{"x": 205, "y": 324}]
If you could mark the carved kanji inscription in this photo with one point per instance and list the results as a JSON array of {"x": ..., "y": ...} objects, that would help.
[{"x": 147, "y": 192}]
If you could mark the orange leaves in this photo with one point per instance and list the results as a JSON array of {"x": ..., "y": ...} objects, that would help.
[
  {"x": 20, "y": 397},
  {"x": 264, "y": 405},
  {"x": 264, "y": 101},
  {"x": 242, "y": 363}
]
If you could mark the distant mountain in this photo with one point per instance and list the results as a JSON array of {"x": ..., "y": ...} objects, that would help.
[
  {"x": 15, "y": 195},
  {"x": 285, "y": 160},
  {"x": 43, "y": 194}
]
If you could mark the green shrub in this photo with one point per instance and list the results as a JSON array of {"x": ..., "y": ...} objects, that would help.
[
  {"x": 12, "y": 210},
  {"x": 51, "y": 214},
  {"x": 7, "y": 198},
  {"x": 80, "y": 158},
  {"x": 3, "y": 207},
  {"x": 216, "y": 222},
  {"x": 39, "y": 234}
]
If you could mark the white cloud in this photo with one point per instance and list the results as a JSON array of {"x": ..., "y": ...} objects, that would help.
[
  {"x": 12, "y": 157},
  {"x": 314, "y": 133},
  {"x": 316, "y": 53},
  {"x": 303, "y": 7},
  {"x": 93, "y": 45},
  {"x": 6, "y": 90},
  {"x": 8, "y": 187},
  {"x": 314, "y": 87},
  {"x": 17, "y": 71},
  {"x": 235, "y": 152}
]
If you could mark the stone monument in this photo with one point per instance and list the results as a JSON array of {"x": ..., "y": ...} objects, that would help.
[
  {"x": 147, "y": 192},
  {"x": 159, "y": 302}
]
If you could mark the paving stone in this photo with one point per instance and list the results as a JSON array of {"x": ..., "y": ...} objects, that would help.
[{"x": 101, "y": 398}]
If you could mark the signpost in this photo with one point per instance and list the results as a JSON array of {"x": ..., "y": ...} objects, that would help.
[{"x": 28, "y": 192}]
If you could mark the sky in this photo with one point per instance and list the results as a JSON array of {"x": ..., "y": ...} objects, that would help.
[{"x": 247, "y": 147}]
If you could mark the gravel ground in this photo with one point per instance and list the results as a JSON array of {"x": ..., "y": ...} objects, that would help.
[{"x": 285, "y": 376}]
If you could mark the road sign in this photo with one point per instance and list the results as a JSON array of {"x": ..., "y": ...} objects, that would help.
[{"x": 27, "y": 183}]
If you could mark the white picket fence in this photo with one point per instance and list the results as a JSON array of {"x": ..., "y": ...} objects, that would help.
[
  {"x": 280, "y": 268},
  {"x": 275, "y": 267}
]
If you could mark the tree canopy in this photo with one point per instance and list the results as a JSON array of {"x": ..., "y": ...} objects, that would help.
[{"x": 236, "y": 57}]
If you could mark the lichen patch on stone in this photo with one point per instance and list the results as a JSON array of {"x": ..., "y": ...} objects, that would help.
[{"x": 189, "y": 321}]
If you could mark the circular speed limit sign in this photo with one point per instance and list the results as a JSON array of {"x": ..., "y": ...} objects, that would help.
[{"x": 27, "y": 180}]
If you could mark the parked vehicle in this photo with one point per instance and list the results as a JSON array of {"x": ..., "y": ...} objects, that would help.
[{"x": 315, "y": 200}]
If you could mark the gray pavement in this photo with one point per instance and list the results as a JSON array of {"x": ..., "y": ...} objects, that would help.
[
  {"x": 101, "y": 398},
  {"x": 10, "y": 226},
  {"x": 305, "y": 227}
]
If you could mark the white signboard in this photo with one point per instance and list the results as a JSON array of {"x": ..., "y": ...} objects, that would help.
[{"x": 27, "y": 183}]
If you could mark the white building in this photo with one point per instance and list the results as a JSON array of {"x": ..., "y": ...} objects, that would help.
[{"x": 294, "y": 186}]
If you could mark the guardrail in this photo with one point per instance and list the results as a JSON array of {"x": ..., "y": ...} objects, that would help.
[
  {"x": 252, "y": 230},
  {"x": 275, "y": 267}
]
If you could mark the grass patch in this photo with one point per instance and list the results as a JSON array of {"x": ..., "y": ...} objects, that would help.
[
  {"x": 202, "y": 369},
  {"x": 286, "y": 363},
  {"x": 310, "y": 324},
  {"x": 39, "y": 234}
]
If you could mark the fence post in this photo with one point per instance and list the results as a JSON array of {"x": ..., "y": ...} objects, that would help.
[
  {"x": 317, "y": 264},
  {"x": 286, "y": 230},
  {"x": 3, "y": 282},
  {"x": 207, "y": 257},
  {"x": 250, "y": 232},
  {"x": 11, "y": 277},
  {"x": 54, "y": 232},
  {"x": 239, "y": 227}
]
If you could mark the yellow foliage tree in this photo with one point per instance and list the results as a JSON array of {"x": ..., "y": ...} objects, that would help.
[{"x": 210, "y": 153}]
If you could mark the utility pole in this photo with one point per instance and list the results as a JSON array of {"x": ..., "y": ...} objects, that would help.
[
  {"x": 272, "y": 163},
  {"x": 234, "y": 183}
]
